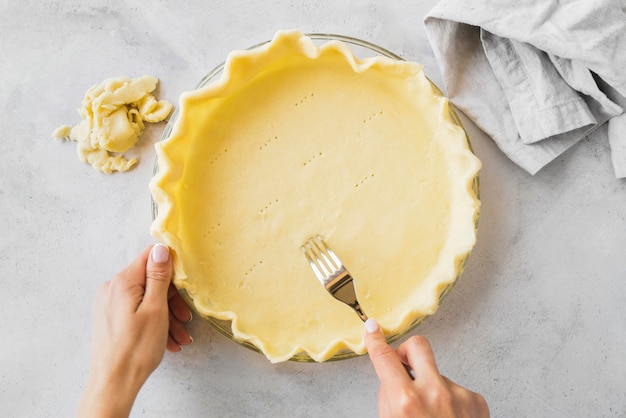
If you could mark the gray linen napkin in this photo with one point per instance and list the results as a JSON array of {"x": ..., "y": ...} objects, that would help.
[{"x": 537, "y": 76}]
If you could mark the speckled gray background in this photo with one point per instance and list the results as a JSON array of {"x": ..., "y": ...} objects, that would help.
[{"x": 537, "y": 322}]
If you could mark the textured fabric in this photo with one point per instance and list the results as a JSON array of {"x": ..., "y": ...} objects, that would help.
[{"x": 537, "y": 76}]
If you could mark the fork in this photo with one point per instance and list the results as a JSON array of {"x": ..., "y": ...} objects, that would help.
[
  {"x": 332, "y": 273},
  {"x": 335, "y": 277}
]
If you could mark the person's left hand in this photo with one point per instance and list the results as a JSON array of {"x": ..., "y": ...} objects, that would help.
[{"x": 137, "y": 316}]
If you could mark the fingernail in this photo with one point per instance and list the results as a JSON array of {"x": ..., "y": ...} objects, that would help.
[
  {"x": 160, "y": 253},
  {"x": 371, "y": 325}
]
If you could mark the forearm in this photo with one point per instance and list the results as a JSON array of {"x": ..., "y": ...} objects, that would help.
[{"x": 109, "y": 398}]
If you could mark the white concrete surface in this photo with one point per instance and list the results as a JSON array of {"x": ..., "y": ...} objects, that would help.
[{"x": 537, "y": 323}]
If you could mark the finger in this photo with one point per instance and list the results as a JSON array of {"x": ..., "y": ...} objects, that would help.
[
  {"x": 172, "y": 346},
  {"x": 418, "y": 354},
  {"x": 178, "y": 332},
  {"x": 384, "y": 409},
  {"x": 178, "y": 306},
  {"x": 453, "y": 386},
  {"x": 127, "y": 288},
  {"x": 135, "y": 272},
  {"x": 158, "y": 274},
  {"x": 172, "y": 291},
  {"x": 387, "y": 364}
]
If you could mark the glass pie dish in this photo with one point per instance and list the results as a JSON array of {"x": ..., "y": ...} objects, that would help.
[{"x": 361, "y": 49}]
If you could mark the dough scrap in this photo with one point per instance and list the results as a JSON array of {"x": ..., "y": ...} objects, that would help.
[{"x": 113, "y": 114}]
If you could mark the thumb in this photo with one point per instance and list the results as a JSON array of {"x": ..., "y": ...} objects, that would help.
[
  {"x": 158, "y": 274},
  {"x": 386, "y": 361}
]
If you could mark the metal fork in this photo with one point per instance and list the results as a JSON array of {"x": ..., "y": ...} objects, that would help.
[{"x": 332, "y": 273}]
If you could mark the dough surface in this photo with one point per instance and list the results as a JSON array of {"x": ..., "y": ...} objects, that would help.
[{"x": 297, "y": 140}]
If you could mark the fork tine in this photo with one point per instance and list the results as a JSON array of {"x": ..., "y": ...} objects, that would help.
[
  {"x": 332, "y": 273},
  {"x": 306, "y": 249},
  {"x": 319, "y": 250},
  {"x": 337, "y": 263},
  {"x": 317, "y": 260}
]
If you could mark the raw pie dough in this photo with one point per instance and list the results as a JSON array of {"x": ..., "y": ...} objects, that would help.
[
  {"x": 114, "y": 113},
  {"x": 297, "y": 140}
]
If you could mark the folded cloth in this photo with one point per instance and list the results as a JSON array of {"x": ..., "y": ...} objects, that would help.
[{"x": 536, "y": 76}]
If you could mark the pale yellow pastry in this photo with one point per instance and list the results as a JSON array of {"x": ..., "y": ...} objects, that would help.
[
  {"x": 113, "y": 115},
  {"x": 296, "y": 140}
]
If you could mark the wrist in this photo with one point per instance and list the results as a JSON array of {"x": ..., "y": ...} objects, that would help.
[{"x": 107, "y": 397}]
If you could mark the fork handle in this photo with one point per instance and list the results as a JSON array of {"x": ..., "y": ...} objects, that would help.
[{"x": 359, "y": 311}]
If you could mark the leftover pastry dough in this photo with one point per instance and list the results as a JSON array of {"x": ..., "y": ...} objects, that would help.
[{"x": 114, "y": 113}]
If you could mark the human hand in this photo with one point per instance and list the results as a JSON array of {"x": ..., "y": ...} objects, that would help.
[
  {"x": 429, "y": 394},
  {"x": 137, "y": 316}
]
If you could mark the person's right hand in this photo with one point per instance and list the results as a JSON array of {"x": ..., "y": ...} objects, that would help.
[{"x": 426, "y": 393}]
